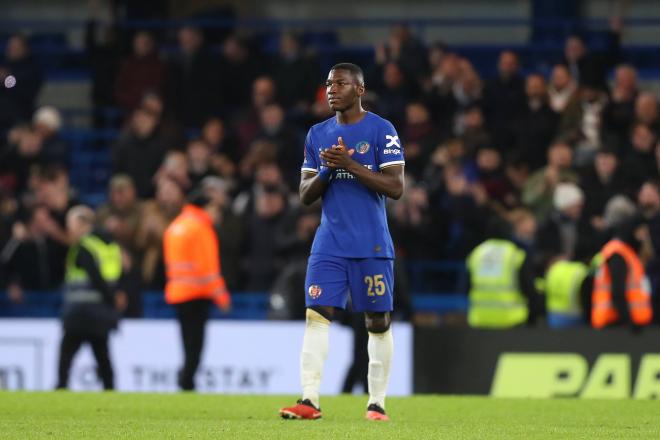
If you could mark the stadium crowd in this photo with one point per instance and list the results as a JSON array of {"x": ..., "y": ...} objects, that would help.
[{"x": 559, "y": 155}]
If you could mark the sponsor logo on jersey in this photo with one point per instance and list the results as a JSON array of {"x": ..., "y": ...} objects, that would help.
[
  {"x": 392, "y": 141},
  {"x": 362, "y": 147},
  {"x": 314, "y": 291}
]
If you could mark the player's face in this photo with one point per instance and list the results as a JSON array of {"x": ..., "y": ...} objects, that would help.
[{"x": 342, "y": 90}]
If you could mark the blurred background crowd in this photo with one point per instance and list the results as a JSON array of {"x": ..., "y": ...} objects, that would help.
[{"x": 558, "y": 150}]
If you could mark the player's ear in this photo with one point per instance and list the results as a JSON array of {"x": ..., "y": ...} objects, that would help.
[{"x": 360, "y": 89}]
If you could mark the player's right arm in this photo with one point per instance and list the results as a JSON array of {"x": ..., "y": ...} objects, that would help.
[
  {"x": 312, "y": 187},
  {"x": 312, "y": 182}
]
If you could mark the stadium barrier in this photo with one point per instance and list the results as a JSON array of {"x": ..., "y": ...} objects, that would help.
[
  {"x": 240, "y": 357},
  {"x": 538, "y": 363}
]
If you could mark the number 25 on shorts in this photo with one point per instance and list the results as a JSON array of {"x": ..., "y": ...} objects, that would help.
[{"x": 375, "y": 285}]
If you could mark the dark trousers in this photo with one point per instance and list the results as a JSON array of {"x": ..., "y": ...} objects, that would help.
[
  {"x": 71, "y": 342},
  {"x": 192, "y": 316},
  {"x": 358, "y": 371}
]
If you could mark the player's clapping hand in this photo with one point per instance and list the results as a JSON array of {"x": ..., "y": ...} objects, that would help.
[{"x": 338, "y": 156}]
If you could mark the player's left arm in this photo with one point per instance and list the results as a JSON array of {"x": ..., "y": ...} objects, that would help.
[{"x": 389, "y": 181}]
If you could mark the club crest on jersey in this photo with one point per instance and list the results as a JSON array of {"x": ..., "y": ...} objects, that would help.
[
  {"x": 314, "y": 291},
  {"x": 362, "y": 147}
]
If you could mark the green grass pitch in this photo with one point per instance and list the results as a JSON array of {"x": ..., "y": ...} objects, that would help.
[{"x": 65, "y": 415}]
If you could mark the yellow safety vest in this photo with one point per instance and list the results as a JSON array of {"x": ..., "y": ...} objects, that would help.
[
  {"x": 495, "y": 297},
  {"x": 562, "y": 287},
  {"x": 108, "y": 259}
]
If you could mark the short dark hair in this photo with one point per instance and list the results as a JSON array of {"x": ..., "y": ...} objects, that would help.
[{"x": 354, "y": 69}]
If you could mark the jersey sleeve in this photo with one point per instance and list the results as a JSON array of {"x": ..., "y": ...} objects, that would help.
[
  {"x": 311, "y": 160},
  {"x": 390, "y": 150}
]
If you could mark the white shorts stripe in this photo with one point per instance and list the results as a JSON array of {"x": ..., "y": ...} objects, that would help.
[{"x": 309, "y": 170}]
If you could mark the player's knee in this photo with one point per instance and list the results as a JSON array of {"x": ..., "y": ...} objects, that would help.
[
  {"x": 320, "y": 312},
  {"x": 377, "y": 322}
]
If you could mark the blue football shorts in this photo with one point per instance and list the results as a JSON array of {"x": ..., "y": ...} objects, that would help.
[{"x": 369, "y": 282}]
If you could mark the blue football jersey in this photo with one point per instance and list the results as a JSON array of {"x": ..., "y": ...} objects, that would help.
[{"x": 353, "y": 219}]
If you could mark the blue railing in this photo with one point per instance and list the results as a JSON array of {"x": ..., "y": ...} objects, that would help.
[{"x": 246, "y": 305}]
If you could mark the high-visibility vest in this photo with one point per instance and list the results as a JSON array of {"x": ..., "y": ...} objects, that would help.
[
  {"x": 638, "y": 292},
  {"x": 192, "y": 258},
  {"x": 495, "y": 297},
  {"x": 78, "y": 288},
  {"x": 563, "y": 282}
]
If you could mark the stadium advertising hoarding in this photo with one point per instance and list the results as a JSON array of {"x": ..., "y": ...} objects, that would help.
[
  {"x": 540, "y": 363},
  {"x": 239, "y": 357}
]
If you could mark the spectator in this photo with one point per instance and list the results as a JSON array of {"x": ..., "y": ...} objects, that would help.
[
  {"x": 439, "y": 93},
  {"x": 417, "y": 227},
  {"x": 215, "y": 134},
  {"x": 566, "y": 233},
  {"x": 156, "y": 216},
  {"x": 584, "y": 63},
  {"x": 141, "y": 72},
  {"x": 491, "y": 177},
  {"x": 22, "y": 154},
  {"x": 394, "y": 94},
  {"x": 17, "y": 102},
  {"x": 639, "y": 164},
  {"x": 540, "y": 187},
  {"x": 120, "y": 218},
  {"x": 295, "y": 73},
  {"x": 434, "y": 57},
  {"x": 47, "y": 123},
  {"x": 139, "y": 151},
  {"x": 465, "y": 205},
  {"x": 230, "y": 230},
  {"x": 238, "y": 70},
  {"x": 169, "y": 129},
  {"x": 193, "y": 80},
  {"x": 287, "y": 143},
  {"x": 224, "y": 151},
  {"x": 103, "y": 49},
  {"x": 419, "y": 137},
  {"x": 266, "y": 173},
  {"x": 294, "y": 238},
  {"x": 536, "y": 126},
  {"x": 581, "y": 123},
  {"x": 247, "y": 123},
  {"x": 600, "y": 183},
  {"x": 404, "y": 49},
  {"x": 52, "y": 189},
  {"x": 504, "y": 98},
  {"x": 175, "y": 167},
  {"x": 562, "y": 88},
  {"x": 121, "y": 215},
  {"x": 619, "y": 113},
  {"x": 199, "y": 161},
  {"x": 33, "y": 260},
  {"x": 474, "y": 133},
  {"x": 646, "y": 111},
  {"x": 261, "y": 264}
]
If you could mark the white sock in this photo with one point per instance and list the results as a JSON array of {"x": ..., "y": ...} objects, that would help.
[
  {"x": 312, "y": 357},
  {"x": 380, "y": 348}
]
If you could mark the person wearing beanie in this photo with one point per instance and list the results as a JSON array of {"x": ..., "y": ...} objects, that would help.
[{"x": 566, "y": 233}]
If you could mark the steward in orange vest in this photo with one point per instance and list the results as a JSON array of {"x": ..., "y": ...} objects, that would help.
[
  {"x": 192, "y": 259},
  {"x": 192, "y": 263},
  {"x": 622, "y": 293}
]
